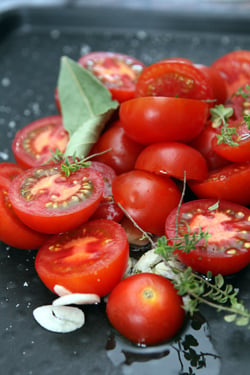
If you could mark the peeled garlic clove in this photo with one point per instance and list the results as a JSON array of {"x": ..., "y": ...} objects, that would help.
[
  {"x": 77, "y": 299},
  {"x": 60, "y": 319},
  {"x": 61, "y": 291}
]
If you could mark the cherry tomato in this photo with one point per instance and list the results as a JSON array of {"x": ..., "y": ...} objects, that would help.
[
  {"x": 154, "y": 119},
  {"x": 227, "y": 249},
  {"x": 33, "y": 144},
  {"x": 217, "y": 81},
  {"x": 48, "y": 201},
  {"x": 235, "y": 68},
  {"x": 107, "y": 208},
  {"x": 230, "y": 182},
  {"x": 174, "y": 79},
  {"x": 173, "y": 159},
  {"x": 118, "y": 72},
  {"x": 146, "y": 309},
  {"x": 90, "y": 259},
  {"x": 10, "y": 170},
  {"x": 240, "y": 103},
  {"x": 12, "y": 230},
  {"x": 204, "y": 144},
  {"x": 239, "y": 152},
  {"x": 122, "y": 151},
  {"x": 139, "y": 192}
]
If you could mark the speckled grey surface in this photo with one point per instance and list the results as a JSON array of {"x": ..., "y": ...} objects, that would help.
[{"x": 31, "y": 44}]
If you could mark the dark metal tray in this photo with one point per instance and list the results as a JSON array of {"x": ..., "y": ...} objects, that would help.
[{"x": 32, "y": 40}]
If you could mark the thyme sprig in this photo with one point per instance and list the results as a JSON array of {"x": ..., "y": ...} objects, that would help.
[
  {"x": 244, "y": 92},
  {"x": 219, "y": 117}
]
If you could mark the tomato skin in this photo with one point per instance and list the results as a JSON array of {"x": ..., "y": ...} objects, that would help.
[
  {"x": 123, "y": 150},
  {"x": 146, "y": 309},
  {"x": 234, "y": 67},
  {"x": 154, "y": 119},
  {"x": 204, "y": 144},
  {"x": 33, "y": 143},
  {"x": 118, "y": 72},
  {"x": 226, "y": 251},
  {"x": 239, "y": 153},
  {"x": 138, "y": 193},
  {"x": 38, "y": 197},
  {"x": 89, "y": 259},
  {"x": 13, "y": 231},
  {"x": 217, "y": 81},
  {"x": 173, "y": 159},
  {"x": 10, "y": 170},
  {"x": 173, "y": 79},
  {"x": 230, "y": 182}
]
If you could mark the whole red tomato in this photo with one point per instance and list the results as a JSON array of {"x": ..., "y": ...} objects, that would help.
[{"x": 146, "y": 309}]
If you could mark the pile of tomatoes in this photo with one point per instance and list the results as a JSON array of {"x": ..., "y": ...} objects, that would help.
[{"x": 161, "y": 136}]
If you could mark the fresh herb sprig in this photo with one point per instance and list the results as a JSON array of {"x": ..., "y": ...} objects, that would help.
[{"x": 219, "y": 117}]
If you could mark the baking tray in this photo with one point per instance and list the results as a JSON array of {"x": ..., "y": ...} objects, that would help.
[{"x": 32, "y": 40}]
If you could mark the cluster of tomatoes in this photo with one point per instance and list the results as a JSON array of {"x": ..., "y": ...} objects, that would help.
[{"x": 161, "y": 138}]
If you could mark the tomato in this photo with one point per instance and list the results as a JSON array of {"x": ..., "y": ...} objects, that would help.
[
  {"x": 155, "y": 119},
  {"x": 174, "y": 79},
  {"x": 118, "y": 72},
  {"x": 12, "y": 230},
  {"x": 90, "y": 259},
  {"x": 48, "y": 201},
  {"x": 204, "y": 144},
  {"x": 10, "y": 170},
  {"x": 107, "y": 208},
  {"x": 139, "y": 192},
  {"x": 122, "y": 150},
  {"x": 227, "y": 249},
  {"x": 57, "y": 100},
  {"x": 235, "y": 68},
  {"x": 146, "y": 309},
  {"x": 239, "y": 152},
  {"x": 173, "y": 159},
  {"x": 217, "y": 81},
  {"x": 230, "y": 182},
  {"x": 33, "y": 144}
]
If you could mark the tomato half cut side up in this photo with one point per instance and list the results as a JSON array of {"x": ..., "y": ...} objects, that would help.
[
  {"x": 118, "y": 72},
  {"x": 230, "y": 182},
  {"x": 48, "y": 201},
  {"x": 227, "y": 250},
  {"x": 13, "y": 231},
  {"x": 146, "y": 309},
  {"x": 33, "y": 143},
  {"x": 154, "y": 119},
  {"x": 174, "y": 79},
  {"x": 174, "y": 159},
  {"x": 90, "y": 259}
]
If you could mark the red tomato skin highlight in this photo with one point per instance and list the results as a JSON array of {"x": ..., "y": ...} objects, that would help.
[
  {"x": 46, "y": 220},
  {"x": 173, "y": 159},
  {"x": 93, "y": 262},
  {"x": 138, "y": 192},
  {"x": 146, "y": 309},
  {"x": 214, "y": 257},
  {"x": 148, "y": 120}
]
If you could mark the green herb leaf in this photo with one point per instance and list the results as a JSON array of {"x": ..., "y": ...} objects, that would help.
[{"x": 86, "y": 106}]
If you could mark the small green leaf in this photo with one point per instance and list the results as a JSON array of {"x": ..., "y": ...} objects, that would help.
[
  {"x": 230, "y": 318},
  {"x": 86, "y": 106},
  {"x": 214, "y": 206}
]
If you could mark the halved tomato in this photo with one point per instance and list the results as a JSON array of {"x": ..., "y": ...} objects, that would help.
[
  {"x": 48, "y": 201},
  {"x": 227, "y": 249},
  {"x": 156, "y": 119},
  {"x": 33, "y": 143},
  {"x": 13, "y": 231},
  {"x": 90, "y": 259},
  {"x": 174, "y": 159},
  {"x": 230, "y": 182},
  {"x": 174, "y": 79},
  {"x": 118, "y": 72}
]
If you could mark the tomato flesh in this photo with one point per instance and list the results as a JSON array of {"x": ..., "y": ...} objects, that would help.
[
  {"x": 228, "y": 249},
  {"x": 48, "y": 201},
  {"x": 146, "y": 309},
  {"x": 90, "y": 259}
]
